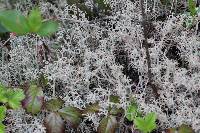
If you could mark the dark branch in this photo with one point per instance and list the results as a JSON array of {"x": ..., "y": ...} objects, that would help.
[{"x": 146, "y": 45}]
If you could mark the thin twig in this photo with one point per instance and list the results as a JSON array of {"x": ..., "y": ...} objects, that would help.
[{"x": 4, "y": 44}]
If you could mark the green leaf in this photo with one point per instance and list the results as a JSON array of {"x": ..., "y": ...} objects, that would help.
[
  {"x": 3, "y": 29},
  {"x": 192, "y": 7},
  {"x": 54, "y": 123},
  {"x": 14, "y": 98},
  {"x": 35, "y": 20},
  {"x": 14, "y": 21},
  {"x": 93, "y": 108},
  {"x": 2, "y": 127},
  {"x": 48, "y": 28},
  {"x": 72, "y": 115},
  {"x": 146, "y": 124},
  {"x": 185, "y": 129},
  {"x": 2, "y": 113},
  {"x": 3, "y": 98},
  {"x": 132, "y": 111},
  {"x": 108, "y": 125},
  {"x": 54, "y": 104},
  {"x": 34, "y": 99}
]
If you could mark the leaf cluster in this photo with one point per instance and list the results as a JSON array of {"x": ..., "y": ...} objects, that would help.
[
  {"x": 11, "y": 99},
  {"x": 58, "y": 114},
  {"x": 14, "y": 21},
  {"x": 192, "y": 7},
  {"x": 2, "y": 117},
  {"x": 54, "y": 122},
  {"x": 146, "y": 123}
]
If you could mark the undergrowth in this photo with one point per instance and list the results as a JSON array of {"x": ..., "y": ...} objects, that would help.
[{"x": 81, "y": 75}]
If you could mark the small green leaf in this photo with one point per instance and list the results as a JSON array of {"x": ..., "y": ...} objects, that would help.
[
  {"x": 54, "y": 123},
  {"x": 35, "y": 20},
  {"x": 48, "y": 28},
  {"x": 146, "y": 124},
  {"x": 14, "y": 98},
  {"x": 11, "y": 97},
  {"x": 3, "y": 98},
  {"x": 192, "y": 7},
  {"x": 2, "y": 127},
  {"x": 34, "y": 99},
  {"x": 14, "y": 21},
  {"x": 132, "y": 111},
  {"x": 108, "y": 125},
  {"x": 72, "y": 115},
  {"x": 54, "y": 104},
  {"x": 185, "y": 129},
  {"x": 2, "y": 113}
]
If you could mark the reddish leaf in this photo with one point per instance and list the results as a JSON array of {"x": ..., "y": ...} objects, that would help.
[
  {"x": 181, "y": 129},
  {"x": 54, "y": 123},
  {"x": 34, "y": 99},
  {"x": 171, "y": 130},
  {"x": 108, "y": 125},
  {"x": 185, "y": 129},
  {"x": 72, "y": 115}
]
